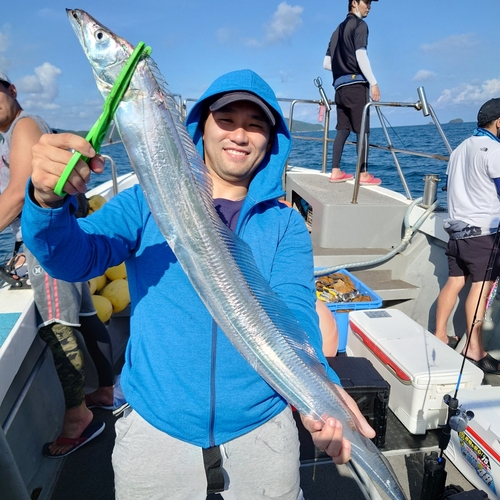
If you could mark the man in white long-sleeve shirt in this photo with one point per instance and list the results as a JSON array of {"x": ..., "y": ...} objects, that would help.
[{"x": 353, "y": 79}]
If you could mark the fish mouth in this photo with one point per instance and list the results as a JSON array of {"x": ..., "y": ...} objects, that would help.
[
  {"x": 75, "y": 17},
  {"x": 87, "y": 30}
]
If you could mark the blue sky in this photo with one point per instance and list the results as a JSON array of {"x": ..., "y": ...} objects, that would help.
[{"x": 448, "y": 47}]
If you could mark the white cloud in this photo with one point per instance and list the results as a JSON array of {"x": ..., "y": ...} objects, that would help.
[
  {"x": 286, "y": 20},
  {"x": 453, "y": 43},
  {"x": 284, "y": 23},
  {"x": 467, "y": 93},
  {"x": 423, "y": 75},
  {"x": 42, "y": 88}
]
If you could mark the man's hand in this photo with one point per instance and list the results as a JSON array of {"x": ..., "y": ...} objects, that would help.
[
  {"x": 50, "y": 156},
  {"x": 328, "y": 436},
  {"x": 375, "y": 91}
]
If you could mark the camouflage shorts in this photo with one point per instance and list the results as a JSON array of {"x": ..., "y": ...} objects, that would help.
[{"x": 68, "y": 360}]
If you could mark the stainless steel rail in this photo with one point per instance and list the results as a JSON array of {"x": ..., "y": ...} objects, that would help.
[
  {"x": 114, "y": 173},
  {"x": 421, "y": 105}
]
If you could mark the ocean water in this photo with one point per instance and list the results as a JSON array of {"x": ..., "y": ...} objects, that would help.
[{"x": 421, "y": 138}]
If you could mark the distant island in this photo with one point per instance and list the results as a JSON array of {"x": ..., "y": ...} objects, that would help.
[
  {"x": 299, "y": 126},
  {"x": 455, "y": 120}
]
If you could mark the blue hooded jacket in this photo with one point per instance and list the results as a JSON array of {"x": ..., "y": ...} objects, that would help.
[{"x": 181, "y": 373}]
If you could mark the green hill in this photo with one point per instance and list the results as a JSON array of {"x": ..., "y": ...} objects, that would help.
[{"x": 299, "y": 126}]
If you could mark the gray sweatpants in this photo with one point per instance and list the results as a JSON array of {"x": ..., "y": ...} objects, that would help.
[{"x": 262, "y": 464}]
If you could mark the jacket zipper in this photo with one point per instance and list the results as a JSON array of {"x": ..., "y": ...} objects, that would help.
[{"x": 212, "y": 384}]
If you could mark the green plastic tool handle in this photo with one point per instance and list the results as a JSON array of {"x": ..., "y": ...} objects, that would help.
[{"x": 98, "y": 131}]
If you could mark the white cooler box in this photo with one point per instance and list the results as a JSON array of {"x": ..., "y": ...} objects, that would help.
[
  {"x": 476, "y": 451},
  {"x": 419, "y": 368}
]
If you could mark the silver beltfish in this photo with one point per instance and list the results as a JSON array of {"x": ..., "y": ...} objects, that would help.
[{"x": 219, "y": 265}]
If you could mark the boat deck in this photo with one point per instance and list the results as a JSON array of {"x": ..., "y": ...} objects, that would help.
[{"x": 88, "y": 474}]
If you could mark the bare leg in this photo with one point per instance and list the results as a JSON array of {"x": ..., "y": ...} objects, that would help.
[
  {"x": 445, "y": 303},
  {"x": 75, "y": 422},
  {"x": 476, "y": 299}
]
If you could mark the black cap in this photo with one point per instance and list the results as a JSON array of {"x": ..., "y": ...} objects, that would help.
[
  {"x": 489, "y": 111},
  {"x": 4, "y": 78},
  {"x": 243, "y": 96}
]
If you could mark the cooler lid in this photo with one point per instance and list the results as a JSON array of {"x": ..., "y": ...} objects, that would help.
[{"x": 411, "y": 352}]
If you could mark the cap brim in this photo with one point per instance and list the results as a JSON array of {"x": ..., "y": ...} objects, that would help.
[{"x": 243, "y": 96}]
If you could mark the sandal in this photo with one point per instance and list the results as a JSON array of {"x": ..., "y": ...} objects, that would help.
[
  {"x": 11, "y": 271},
  {"x": 344, "y": 177},
  {"x": 488, "y": 364},
  {"x": 90, "y": 402},
  {"x": 91, "y": 431},
  {"x": 371, "y": 181}
]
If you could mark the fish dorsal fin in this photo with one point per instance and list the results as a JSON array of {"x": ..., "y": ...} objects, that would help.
[{"x": 273, "y": 305}]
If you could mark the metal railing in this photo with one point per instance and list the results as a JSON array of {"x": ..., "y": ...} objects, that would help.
[{"x": 421, "y": 105}]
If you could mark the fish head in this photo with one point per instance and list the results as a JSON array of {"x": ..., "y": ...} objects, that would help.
[{"x": 106, "y": 52}]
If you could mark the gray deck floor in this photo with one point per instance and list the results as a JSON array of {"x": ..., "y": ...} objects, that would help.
[{"x": 88, "y": 474}]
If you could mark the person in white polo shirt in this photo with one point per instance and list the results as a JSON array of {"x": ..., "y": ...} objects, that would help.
[{"x": 474, "y": 218}]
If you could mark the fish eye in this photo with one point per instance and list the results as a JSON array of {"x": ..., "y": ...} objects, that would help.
[{"x": 100, "y": 34}]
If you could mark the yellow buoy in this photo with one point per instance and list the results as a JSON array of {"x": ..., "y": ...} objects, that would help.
[
  {"x": 117, "y": 292},
  {"x": 96, "y": 202},
  {"x": 103, "y": 307},
  {"x": 98, "y": 283},
  {"x": 117, "y": 272}
]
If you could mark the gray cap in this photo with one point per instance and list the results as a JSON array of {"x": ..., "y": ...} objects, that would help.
[{"x": 243, "y": 96}]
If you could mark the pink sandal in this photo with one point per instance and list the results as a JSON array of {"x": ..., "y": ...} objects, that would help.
[
  {"x": 372, "y": 181},
  {"x": 344, "y": 177}
]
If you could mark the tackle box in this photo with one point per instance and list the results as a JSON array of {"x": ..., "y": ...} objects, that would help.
[
  {"x": 419, "y": 367},
  {"x": 475, "y": 452},
  {"x": 340, "y": 310},
  {"x": 370, "y": 391}
]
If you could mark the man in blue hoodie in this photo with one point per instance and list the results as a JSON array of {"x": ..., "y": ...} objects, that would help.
[{"x": 201, "y": 414}]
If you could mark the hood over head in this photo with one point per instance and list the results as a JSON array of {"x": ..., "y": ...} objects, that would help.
[{"x": 267, "y": 180}]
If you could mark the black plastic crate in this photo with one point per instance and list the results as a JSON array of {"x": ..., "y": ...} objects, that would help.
[
  {"x": 370, "y": 391},
  {"x": 367, "y": 387}
]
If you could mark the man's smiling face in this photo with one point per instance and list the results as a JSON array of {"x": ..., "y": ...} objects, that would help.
[{"x": 236, "y": 139}]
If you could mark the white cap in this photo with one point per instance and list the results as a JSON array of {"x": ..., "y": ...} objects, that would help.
[{"x": 4, "y": 77}]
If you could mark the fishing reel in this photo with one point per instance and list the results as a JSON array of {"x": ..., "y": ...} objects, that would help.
[
  {"x": 458, "y": 417},
  {"x": 434, "y": 478}
]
